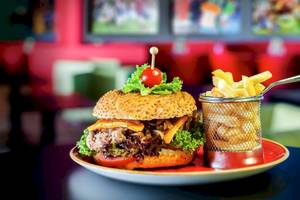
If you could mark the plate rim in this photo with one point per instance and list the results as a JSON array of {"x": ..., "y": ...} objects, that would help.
[{"x": 164, "y": 173}]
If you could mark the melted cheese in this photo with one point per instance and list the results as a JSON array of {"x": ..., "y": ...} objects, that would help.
[
  {"x": 171, "y": 132},
  {"x": 116, "y": 123}
]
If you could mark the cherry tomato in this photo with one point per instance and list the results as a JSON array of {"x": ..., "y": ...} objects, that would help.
[
  {"x": 151, "y": 77},
  {"x": 112, "y": 162}
]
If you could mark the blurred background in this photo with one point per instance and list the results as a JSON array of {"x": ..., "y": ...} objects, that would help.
[{"x": 58, "y": 57}]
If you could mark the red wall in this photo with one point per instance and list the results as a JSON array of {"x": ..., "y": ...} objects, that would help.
[
  {"x": 69, "y": 45},
  {"x": 193, "y": 67},
  {"x": 196, "y": 65},
  {"x": 12, "y": 56}
]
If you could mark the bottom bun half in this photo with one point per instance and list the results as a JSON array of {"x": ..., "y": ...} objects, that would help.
[{"x": 166, "y": 158}]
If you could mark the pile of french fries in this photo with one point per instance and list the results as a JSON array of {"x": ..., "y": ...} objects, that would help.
[
  {"x": 234, "y": 126},
  {"x": 224, "y": 85}
]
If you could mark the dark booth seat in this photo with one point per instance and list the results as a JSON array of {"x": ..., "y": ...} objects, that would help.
[{"x": 286, "y": 95}]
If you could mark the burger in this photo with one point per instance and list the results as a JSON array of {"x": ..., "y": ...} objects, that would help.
[{"x": 143, "y": 125}]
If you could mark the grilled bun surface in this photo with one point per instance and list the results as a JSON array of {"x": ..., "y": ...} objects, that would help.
[
  {"x": 132, "y": 106},
  {"x": 166, "y": 158}
]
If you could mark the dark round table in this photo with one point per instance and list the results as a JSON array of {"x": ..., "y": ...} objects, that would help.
[{"x": 281, "y": 182}]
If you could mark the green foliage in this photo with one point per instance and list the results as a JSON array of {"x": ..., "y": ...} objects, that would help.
[
  {"x": 82, "y": 146},
  {"x": 116, "y": 152},
  {"x": 135, "y": 84},
  {"x": 189, "y": 140}
]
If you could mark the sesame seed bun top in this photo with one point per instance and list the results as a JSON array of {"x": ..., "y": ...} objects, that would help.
[{"x": 132, "y": 106}]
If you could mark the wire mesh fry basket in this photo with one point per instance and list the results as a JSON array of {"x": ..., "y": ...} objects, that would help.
[{"x": 232, "y": 130}]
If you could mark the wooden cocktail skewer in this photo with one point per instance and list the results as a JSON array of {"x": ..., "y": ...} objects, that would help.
[
  {"x": 152, "y": 76},
  {"x": 153, "y": 51}
]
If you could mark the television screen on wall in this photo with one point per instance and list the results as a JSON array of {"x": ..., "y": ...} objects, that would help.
[
  {"x": 123, "y": 17},
  {"x": 43, "y": 19},
  {"x": 206, "y": 17},
  {"x": 281, "y": 17}
]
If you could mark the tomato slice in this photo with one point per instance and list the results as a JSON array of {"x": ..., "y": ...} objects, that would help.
[{"x": 112, "y": 162}]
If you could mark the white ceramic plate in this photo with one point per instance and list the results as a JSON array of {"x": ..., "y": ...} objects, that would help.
[{"x": 274, "y": 153}]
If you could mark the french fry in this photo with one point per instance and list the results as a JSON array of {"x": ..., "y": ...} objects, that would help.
[
  {"x": 238, "y": 108},
  {"x": 251, "y": 106},
  {"x": 244, "y": 146},
  {"x": 258, "y": 78},
  {"x": 249, "y": 114},
  {"x": 211, "y": 130},
  {"x": 227, "y": 76},
  {"x": 237, "y": 85},
  {"x": 216, "y": 92},
  {"x": 209, "y": 93},
  {"x": 215, "y": 80},
  {"x": 227, "y": 120},
  {"x": 211, "y": 135},
  {"x": 261, "y": 77},
  {"x": 217, "y": 108},
  {"x": 246, "y": 110},
  {"x": 226, "y": 89},
  {"x": 234, "y": 136},
  {"x": 256, "y": 123},
  {"x": 246, "y": 115},
  {"x": 221, "y": 131},
  {"x": 248, "y": 85},
  {"x": 240, "y": 92},
  {"x": 248, "y": 128},
  {"x": 259, "y": 88}
]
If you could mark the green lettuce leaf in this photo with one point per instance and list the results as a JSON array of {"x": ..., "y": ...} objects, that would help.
[
  {"x": 168, "y": 88},
  {"x": 116, "y": 152},
  {"x": 82, "y": 146},
  {"x": 135, "y": 84},
  {"x": 189, "y": 140}
]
